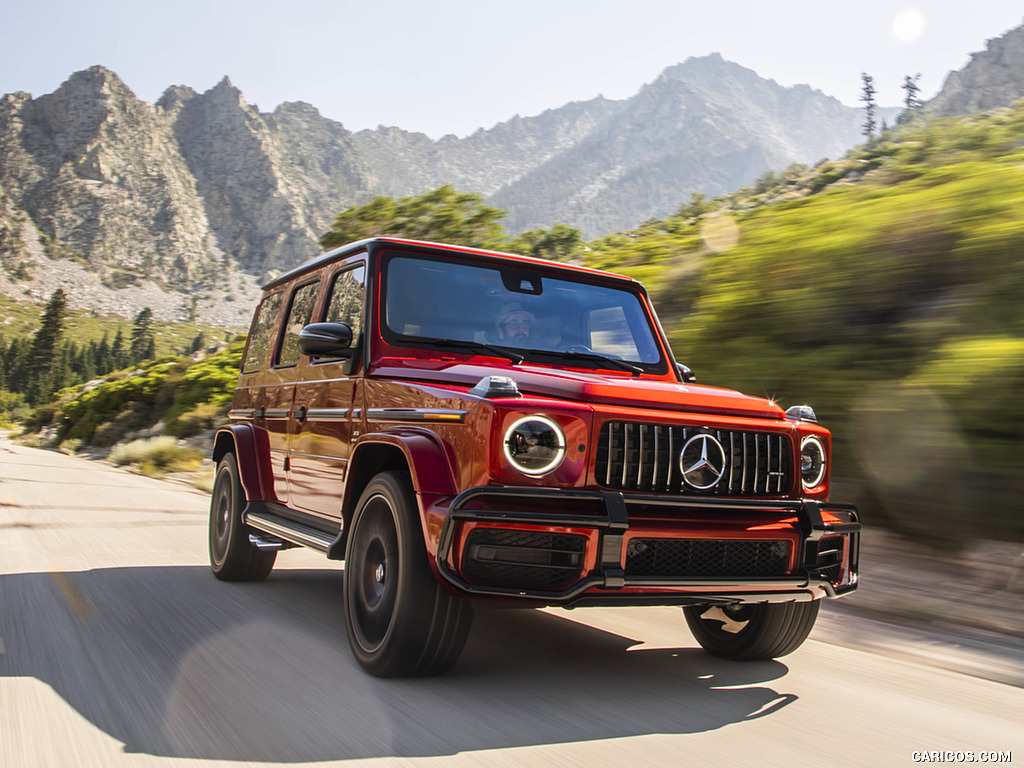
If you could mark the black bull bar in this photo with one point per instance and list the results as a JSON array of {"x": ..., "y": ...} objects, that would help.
[{"x": 611, "y": 520}]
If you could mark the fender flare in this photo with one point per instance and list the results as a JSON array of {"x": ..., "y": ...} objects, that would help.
[
  {"x": 252, "y": 452},
  {"x": 425, "y": 458},
  {"x": 429, "y": 466}
]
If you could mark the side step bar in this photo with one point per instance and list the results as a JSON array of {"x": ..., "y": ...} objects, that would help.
[
  {"x": 257, "y": 516},
  {"x": 265, "y": 543}
]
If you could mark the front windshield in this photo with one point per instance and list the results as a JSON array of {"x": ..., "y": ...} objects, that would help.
[{"x": 510, "y": 307}]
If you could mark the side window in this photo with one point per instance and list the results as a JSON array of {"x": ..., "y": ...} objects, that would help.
[
  {"x": 299, "y": 314},
  {"x": 262, "y": 333},
  {"x": 345, "y": 303}
]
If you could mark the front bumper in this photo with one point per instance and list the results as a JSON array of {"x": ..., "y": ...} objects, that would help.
[{"x": 822, "y": 560}]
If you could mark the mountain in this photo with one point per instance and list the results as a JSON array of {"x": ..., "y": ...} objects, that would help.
[
  {"x": 707, "y": 126},
  {"x": 203, "y": 192},
  {"x": 993, "y": 78},
  {"x": 97, "y": 171}
]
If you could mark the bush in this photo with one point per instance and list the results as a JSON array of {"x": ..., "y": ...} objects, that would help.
[
  {"x": 201, "y": 418},
  {"x": 147, "y": 393},
  {"x": 209, "y": 381},
  {"x": 70, "y": 447},
  {"x": 157, "y": 456},
  {"x": 188, "y": 396},
  {"x": 13, "y": 408}
]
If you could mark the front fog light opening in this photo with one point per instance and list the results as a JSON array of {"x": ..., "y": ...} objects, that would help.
[
  {"x": 812, "y": 462},
  {"x": 535, "y": 445}
]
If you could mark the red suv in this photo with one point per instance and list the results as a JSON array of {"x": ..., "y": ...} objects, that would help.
[{"x": 458, "y": 425}]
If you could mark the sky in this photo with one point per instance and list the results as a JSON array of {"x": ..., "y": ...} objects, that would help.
[{"x": 453, "y": 66}]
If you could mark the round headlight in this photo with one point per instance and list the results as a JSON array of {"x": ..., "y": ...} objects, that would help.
[
  {"x": 535, "y": 445},
  {"x": 812, "y": 462}
]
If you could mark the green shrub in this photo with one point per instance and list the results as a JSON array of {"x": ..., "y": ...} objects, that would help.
[
  {"x": 201, "y": 418},
  {"x": 209, "y": 382},
  {"x": 13, "y": 408},
  {"x": 166, "y": 389}
]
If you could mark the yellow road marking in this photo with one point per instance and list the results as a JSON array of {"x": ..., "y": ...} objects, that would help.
[{"x": 74, "y": 598}]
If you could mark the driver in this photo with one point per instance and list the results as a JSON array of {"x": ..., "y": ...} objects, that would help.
[{"x": 514, "y": 323}]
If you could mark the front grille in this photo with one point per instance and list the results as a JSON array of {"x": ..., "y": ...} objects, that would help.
[
  {"x": 498, "y": 557},
  {"x": 633, "y": 456},
  {"x": 706, "y": 558}
]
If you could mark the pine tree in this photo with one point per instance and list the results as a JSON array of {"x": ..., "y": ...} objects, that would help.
[
  {"x": 14, "y": 365},
  {"x": 143, "y": 346},
  {"x": 63, "y": 372},
  {"x": 42, "y": 360},
  {"x": 911, "y": 102},
  {"x": 867, "y": 95},
  {"x": 118, "y": 355},
  {"x": 104, "y": 361}
]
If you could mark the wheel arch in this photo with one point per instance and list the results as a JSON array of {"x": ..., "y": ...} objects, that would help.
[
  {"x": 421, "y": 455},
  {"x": 251, "y": 449}
]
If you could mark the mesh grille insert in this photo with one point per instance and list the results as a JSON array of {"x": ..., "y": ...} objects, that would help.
[{"x": 706, "y": 557}]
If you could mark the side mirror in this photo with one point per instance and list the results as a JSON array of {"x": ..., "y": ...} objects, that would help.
[
  {"x": 686, "y": 374},
  {"x": 326, "y": 340}
]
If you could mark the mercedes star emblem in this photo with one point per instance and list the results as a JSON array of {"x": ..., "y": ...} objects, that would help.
[{"x": 702, "y": 461}]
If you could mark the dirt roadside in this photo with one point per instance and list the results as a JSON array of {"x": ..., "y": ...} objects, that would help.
[{"x": 963, "y": 612}]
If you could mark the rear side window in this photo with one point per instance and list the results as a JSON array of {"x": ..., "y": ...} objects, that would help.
[
  {"x": 299, "y": 314},
  {"x": 262, "y": 333}
]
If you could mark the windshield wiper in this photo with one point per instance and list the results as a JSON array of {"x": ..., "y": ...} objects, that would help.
[
  {"x": 475, "y": 346},
  {"x": 572, "y": 354}
]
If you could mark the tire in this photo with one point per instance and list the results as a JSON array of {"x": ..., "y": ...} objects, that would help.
[
  {"x": 232, "y": 557},
  {"x": 752, "y": 632},
  {"x": 400, "y": 620}
]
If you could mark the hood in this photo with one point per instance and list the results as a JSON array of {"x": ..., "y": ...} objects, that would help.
[{"x": 588, "y": 387}]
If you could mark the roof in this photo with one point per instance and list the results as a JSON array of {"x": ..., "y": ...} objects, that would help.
[{"x": 337, "y": 254}]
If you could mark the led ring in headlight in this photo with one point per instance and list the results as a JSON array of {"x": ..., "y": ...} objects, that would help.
[
  {"x": 812, "y": 462},
  {"x": 535, "y": 445}
]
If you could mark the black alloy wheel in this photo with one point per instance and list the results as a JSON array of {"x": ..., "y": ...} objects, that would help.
[
  {"x": 399, "y": 620},
  {"x": 232, "y": 557}
]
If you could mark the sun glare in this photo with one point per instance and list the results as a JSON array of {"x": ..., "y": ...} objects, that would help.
[{"x": 908, "y": 25}]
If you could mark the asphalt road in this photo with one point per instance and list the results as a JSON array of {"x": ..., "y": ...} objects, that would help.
[{"x": 119, "y": 648}]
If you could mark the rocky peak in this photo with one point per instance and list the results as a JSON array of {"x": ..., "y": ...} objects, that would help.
[
  {"x": 83, "y": 106},
  {"x": 721, "y": 80},
  {"x": 700, "y": 67},
  {"x": 95, "y": 169},
  {"x": 94, "y": 81},
  {"x": 225, "y": 94},
  {"x": 712, "y": 71},
  {"x": 175, "y": 97},
  {"x": 299, "y": 109},
  {"x": 993, "y": 78}
]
